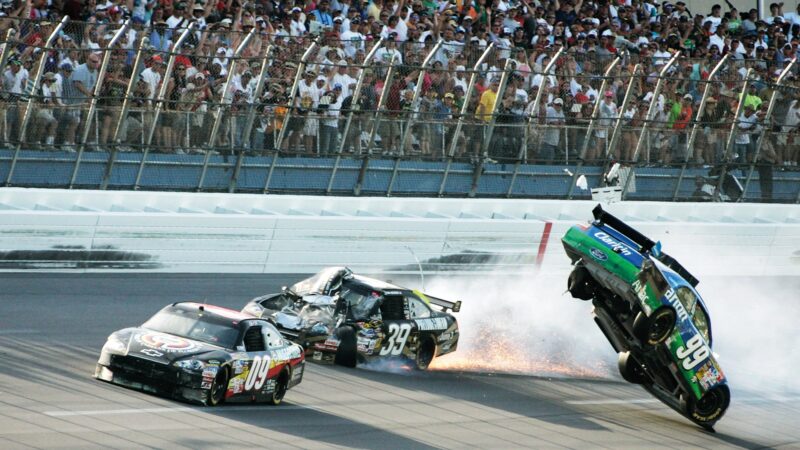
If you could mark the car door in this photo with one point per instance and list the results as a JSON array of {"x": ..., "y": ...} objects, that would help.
[
  {"x": 255, "y": 364},
  {"x": 396, "y": 325}
]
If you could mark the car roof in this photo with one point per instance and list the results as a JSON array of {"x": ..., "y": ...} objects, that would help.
[
  {"x": 218, "y": 311},
  {"x": 377, "y": 285}
]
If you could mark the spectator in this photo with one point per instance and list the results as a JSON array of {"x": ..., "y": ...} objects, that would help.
[{"x": 555, "y": 121}]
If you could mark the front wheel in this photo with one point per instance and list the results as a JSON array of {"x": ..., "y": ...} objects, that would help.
[
  {"x": 580, "y": 283},
  {"x": 710, "y": 407},
  {"x": 216, "y": 395},
  {"x": 281, "y": 386},
  {"x": 655, "y": 328},
  {"x": 630, "y": 369},
  {"x": 346, "y": 353}
]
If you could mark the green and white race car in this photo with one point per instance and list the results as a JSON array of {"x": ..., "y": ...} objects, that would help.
[{"x": 646, "y": 304}]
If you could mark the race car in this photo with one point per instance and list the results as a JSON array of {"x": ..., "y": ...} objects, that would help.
[
  {"x": 343, "y": 318},
  {"x": 646, "y": 304},
  {"x": 203, "y": 354}
]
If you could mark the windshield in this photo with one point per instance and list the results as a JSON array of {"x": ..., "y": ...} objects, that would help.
[
  {"x": 687, "y": 298},
  {"x": 362, "y": 303},
  {"x": 198, "y": 327},
  {"x": 700, "y": 320}
]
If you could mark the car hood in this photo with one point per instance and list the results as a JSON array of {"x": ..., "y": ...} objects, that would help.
[{"x": 162, "y": 347}]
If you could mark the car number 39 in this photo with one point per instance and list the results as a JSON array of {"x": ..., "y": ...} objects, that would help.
[
  {"x": 398, "y": 334},
  {"x": 694, "y": 353}
]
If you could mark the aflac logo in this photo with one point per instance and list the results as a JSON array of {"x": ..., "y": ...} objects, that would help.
[{"x": 598, "y": 254}]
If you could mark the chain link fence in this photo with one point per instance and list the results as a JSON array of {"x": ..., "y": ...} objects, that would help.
[{"x": 224, "y": 107}]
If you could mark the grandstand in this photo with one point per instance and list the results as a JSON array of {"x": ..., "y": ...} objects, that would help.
[{"x": 436, "y": 98}]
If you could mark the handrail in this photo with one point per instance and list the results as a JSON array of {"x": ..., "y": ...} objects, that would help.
[
  {"x": 417, "y": 92},
  {"x": 467, "y": 95},
  {"x": 357, "y": 96},
  {"x": 297, "y": 76},
  {"x": 501, "y": 89}
]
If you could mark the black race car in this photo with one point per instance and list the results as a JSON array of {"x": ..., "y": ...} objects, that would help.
[
  {"x": 344, "y": 318},
  {"x": 203, "y": 354}
]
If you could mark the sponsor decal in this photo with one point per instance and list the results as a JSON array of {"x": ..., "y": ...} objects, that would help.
[
  {"x": 672, "y": 297},
  {"x": 257, "y": 375},
  {"x": 640, "y": 290},
  {"x": 166, "y": 343},
  {"x": 285, "y": 353},
  {"x": 708, "y": 375},
  {"x": 317, "y": 356},
  {"x": 205, "y": 385},
  {"x": 238, "y": 367},
  {"x": 270, "y": 386},
  {"x": 210, "y": 372},
  {"x": 436, "y": 323},
  {"x": 237, "y": 385},
  {"x": 598, "y": 254},
  {"x": 615, "y": 245},
  {"x": 446, "y": 336},
  {"x": 152, "y": 352},
  {"x": 298, "y": 373}
]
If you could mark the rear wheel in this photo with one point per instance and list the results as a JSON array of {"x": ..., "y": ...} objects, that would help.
[
  {"x": 710, "y": 407},
  {"x": 281, "y": 386},
  {"x": 655, "y": 328},
  {"x": 425, "y": 354},
  {"x": 216, "y": 395},
  {"x": 580, "y": 283},
  {"x": 630, "y": 369},
  {"x": 346, "y": 354}
]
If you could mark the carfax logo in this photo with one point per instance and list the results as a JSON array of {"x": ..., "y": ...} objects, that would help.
[
  {"x": 166, "y": 343},
  {"x": 598, "y": 254}
]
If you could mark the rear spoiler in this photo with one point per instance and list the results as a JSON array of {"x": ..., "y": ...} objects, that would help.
[
  {"x": 643, "y": 241},
  {"x": 445, "y": 304}
]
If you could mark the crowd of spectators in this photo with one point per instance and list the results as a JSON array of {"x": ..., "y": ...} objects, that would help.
[{"x": 393, "y": 114}]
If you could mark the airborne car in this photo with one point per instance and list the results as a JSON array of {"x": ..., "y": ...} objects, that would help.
[
  {"x": 343, "y": 318},
  {"x": 203, "y": 354},
  {"x": 646, "y": 304}
]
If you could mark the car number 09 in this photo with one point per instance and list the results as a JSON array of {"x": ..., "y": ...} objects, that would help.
[
  {"x": 694, "y": 353},
  {"x": 258, "y": 373},
  {"x": 398, "y": 334}
]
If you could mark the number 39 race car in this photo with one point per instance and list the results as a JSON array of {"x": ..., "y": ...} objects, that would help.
[
  {"x": 343, "y": 318},
  {"x": 646, "y": 304},
  {"x": 203, "y": 354}
]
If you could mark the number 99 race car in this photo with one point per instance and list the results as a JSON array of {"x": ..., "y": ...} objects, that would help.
[
  {"x": 646, "y": 304},
  {"x": 203, "y": 354},
  {"x": 343, "y": 318}
]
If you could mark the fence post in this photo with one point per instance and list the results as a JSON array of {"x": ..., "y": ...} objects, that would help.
[
  {"x": 696, "y": 126},
  {"x": 510, "y": 65},
  {"x": 4, "y": 46},
  {"x": 417, "y": 93},
  {"x": 123, "y": 114},
  {"x": 381, "y": 102},
  {"x": 299, "y": 74},
  {"x": 732, "y": 135},
  {"x": 523, "y": 154},
  {"x": 357, "y": 95},
  {"x": 37, "y": 82},
  {"x": 218, "y": 113},
  {"x": 159, "y": 101},
  {"x": 251, "y": 116},
  {"x": 612, "y": 141},
  {"x": 595, "y": 111},
  {"x": 650, "y": 113},
  {"x": 772, "y": 100}
]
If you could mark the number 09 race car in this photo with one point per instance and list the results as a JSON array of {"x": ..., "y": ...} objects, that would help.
[
  {"x": 646, "y": 304},
  {"x": 343, "y": 318},
  {"x": 203, "y": 354}
]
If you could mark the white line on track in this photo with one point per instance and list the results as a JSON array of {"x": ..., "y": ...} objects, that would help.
[
  {"x": 611, "y": 401},
  {"x": 164, "y": 410}
]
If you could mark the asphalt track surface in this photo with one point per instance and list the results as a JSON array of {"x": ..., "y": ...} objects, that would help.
[{"x": 52, "y": 327}]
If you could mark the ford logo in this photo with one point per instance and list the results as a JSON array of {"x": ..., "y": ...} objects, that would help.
[{"x": 598, "y": 254}]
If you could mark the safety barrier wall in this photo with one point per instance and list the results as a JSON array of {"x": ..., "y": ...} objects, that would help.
[{"x": 173, "y": 232}]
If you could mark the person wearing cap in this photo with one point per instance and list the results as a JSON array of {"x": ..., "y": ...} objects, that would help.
[
  {"x": 353, "y": 40},
  {"x": 389, "y": 52},
  {"x": 554, "y": 120},
  {"x": 160, "y": 37},
  {"x": 752, "y": 98},
  {"x": 745, "y": 148},
  {"x": 680, "y": 125},
  {"x": 45, "y": 104},
  {"x": 607, "y": 115}
]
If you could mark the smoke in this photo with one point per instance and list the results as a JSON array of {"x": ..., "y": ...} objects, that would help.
[
  {"x": 524, "y": 325},
  {"x": 528, "y": 325}
]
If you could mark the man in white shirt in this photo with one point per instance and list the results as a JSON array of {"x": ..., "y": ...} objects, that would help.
[
  {"x": 152, "y": 75},
  {"x": 297, "y": 26},
  {"x": 352, "y": 39},
  {"x": 555, "y": 121},
  {"x": 388, "y": 51}
]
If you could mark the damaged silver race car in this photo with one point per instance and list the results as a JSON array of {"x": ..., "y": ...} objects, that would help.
[{"x": 343, "y": 318}]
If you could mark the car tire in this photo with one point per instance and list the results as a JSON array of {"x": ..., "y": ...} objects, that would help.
[
  {"x": 425, "y": 353},
  {"x": 656, "y": 328},
  {"x": 630, "y": 369},
  {"x": 580, "y": 283},
  {"x": 281, "y": 386},
  {"x": 710, "y": 407},
  {"x": 346, "y": 353},
  {"x": 216, "y": 395}
]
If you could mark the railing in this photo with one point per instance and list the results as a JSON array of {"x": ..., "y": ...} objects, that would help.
[{"x": 228, "y": 94}]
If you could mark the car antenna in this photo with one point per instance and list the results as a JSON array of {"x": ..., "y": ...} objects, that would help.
[{"x": 421, "y": 274}]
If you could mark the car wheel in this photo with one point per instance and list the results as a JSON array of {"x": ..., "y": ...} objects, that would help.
[
  {"x": 630, "y": 369},
  {"x": 710, "y": 407},
  {"x": 346, "y": 354},
  {"x": 425, "y": 354},
  {"x": 281, "y": 386},
  {"x": 655, "y": 328},
  {"x": 216, "y": 395},
  {"x": 580, "y": 283}
]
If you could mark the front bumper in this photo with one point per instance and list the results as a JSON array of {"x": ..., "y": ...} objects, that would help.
[{"x": 152, "y": 377}]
